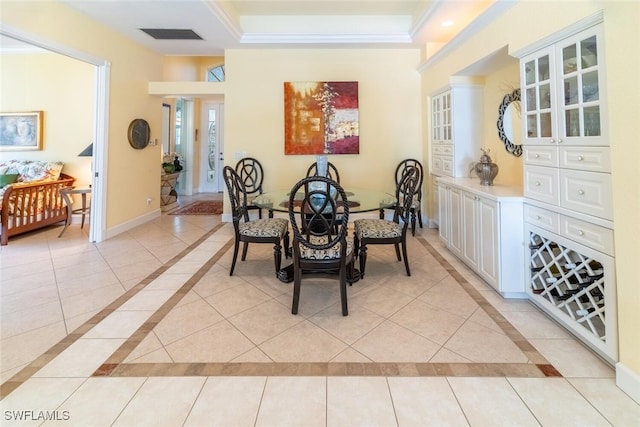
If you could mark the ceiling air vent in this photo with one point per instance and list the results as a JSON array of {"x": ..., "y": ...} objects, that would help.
[{"x": 171, "y": 34}]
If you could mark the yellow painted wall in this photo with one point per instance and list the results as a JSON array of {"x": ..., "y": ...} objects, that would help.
[
  {"x": 496, "y": 85},
  {"x": 63, "y": 89},
  {"x": 188, "y": 68},
  {"x": 133, "y": 175},
  {"x": 524, "y": 24},
  {"x": 389, "y": 110}
]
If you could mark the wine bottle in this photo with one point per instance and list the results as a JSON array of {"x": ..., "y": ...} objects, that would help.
[
  {"x": 550, "y": 245},
  {"x": 587, "y": 310}
]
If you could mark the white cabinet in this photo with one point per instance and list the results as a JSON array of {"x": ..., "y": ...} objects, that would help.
[
  {"x": 566, "y": 154},
  {"x": 484, "y": 228},
  {"x": 443, "y": 216},
  {"x": 567, "y": 186},
  {"x": 456, "y": 116},
  {"x": 563, "y": 92},
  {"x": 455, "y": 221}
]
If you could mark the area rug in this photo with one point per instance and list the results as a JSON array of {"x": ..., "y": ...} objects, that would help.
[{"x": 203, "y": 207}]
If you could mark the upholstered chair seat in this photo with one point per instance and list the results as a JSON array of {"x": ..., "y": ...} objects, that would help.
[
  {"x": 330, "y": 253},
  {"x": 377, "y": 228},
  {"x": 273, "y": 227}
]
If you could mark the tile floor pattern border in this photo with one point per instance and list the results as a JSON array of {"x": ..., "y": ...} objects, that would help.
[{"x": 115, "y": 366}]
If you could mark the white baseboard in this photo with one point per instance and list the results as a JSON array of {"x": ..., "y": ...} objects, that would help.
[
  {"x": 628, "y": 381},
  {"x": 126, "y": 226}
]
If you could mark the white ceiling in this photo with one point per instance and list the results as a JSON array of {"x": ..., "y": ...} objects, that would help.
[{"x": 225, "y": 24}]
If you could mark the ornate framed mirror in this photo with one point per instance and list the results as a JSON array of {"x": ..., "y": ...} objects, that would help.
[{"x": 509, "y": 122}]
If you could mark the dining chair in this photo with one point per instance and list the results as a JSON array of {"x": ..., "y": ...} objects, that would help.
[
  {"x": 332, "y": 171},
  {"x": 252, "y": 175},
  {"x": 267, "y": 230},
  {"x": 416, "y": 210},
  {"x": 319, "y": 244},
  {"x": 386, "y": 232}
]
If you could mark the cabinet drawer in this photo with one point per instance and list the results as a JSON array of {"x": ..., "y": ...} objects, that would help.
[
  {"x": 437, "y": 165},
  {"x": 447, "y": 165},
  {"x": 588, "y": 234},
  {"x": 542, "y": 218},
  {"x": 541, "y": 183},
  {"x": 594, "y": 159},
  {"x": 587, "y": 192},
  {"x": 437, "y": 149},
  {"x": 448, "y": 150},
  {"x": 541, "y": 156}
]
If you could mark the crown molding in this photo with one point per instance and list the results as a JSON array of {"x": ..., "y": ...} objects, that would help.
[
  {"x": 478, "y": 24},
  {"x": 259, "y": 38}
]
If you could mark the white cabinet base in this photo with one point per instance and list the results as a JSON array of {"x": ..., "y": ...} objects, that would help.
[{"x": 483, "y": 226}]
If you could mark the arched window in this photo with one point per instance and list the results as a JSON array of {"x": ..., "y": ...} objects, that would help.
[{"x": 216, "y": 74}]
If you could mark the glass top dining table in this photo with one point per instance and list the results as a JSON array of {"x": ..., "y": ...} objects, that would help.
[{"x": 359, "y": 199}]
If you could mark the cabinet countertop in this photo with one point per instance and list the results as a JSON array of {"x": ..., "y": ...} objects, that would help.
[{"x": 498, "y": 192}]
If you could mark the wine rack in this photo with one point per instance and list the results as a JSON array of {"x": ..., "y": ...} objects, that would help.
[{"x": 574, "y": 287}]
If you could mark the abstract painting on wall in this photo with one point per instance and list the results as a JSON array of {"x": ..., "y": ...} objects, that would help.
[{"x": 321, "y": 118}]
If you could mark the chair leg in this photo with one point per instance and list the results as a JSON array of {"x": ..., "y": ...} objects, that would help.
[
  {"x": 363, "y": 260},
  {"x": 397, "y": 246},
  {"x": 236, "y": 246},
  {"x": 244, "y": 250},
  {"x": 420, "y": 218},
  {"x": 296, "y": 289},
  {"x": 406, "y": 258},
  {"x": 260, "y": 213},
  {"x": 413, "y": 222},
  {"x": 277, "y": 256},
  {"x": 356, "y": 245},
  {"x": 343, "y": 291},
  {"x": 288, "y": 251},
  {"x": 381, "y": 213}
]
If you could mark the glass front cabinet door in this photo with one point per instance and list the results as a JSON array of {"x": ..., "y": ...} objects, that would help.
[{"x": 563, "y": 92}]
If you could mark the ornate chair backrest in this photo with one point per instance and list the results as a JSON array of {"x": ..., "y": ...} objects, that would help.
[
  {"x": 405, "y": 192},
  {"x": 322, "y": 211},
  {"x": 332, "y": 171},
  {"x": 400, "y": 172},
  {"x": 237, "y": 195},
  {"x": 251, "y": 174}
]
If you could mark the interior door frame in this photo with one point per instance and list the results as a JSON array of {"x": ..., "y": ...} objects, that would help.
[{"x": 99, "y": 164}]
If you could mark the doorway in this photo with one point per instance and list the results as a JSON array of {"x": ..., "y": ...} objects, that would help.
[
  {"x": 99, "y": 166},
  {"x": 211, "y": 149}
]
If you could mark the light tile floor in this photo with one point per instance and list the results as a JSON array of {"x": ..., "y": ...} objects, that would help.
[{"x": 147, "y": 328}]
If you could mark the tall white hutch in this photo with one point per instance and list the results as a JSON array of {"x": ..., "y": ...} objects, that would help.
[{"x": 568, "y": 210}]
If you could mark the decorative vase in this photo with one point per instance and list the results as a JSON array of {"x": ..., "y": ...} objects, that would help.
[
  {"x": 486, "y": 169},
  {"x": 176, "y": 164},
  {"x": 322, "y": 164}
]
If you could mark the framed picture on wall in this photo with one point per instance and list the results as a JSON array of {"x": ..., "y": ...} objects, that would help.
[
  {"x": 21, "y": 131},
  {"x": 321, "y": 118}
]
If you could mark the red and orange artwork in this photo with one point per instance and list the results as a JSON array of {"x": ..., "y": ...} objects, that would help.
[{"x": 321, "y": 118}]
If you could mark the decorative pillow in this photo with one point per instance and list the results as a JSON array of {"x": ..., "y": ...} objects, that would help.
[
  {"x": 7, "y": 179},
  {"x": 34, "y": 170}
]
